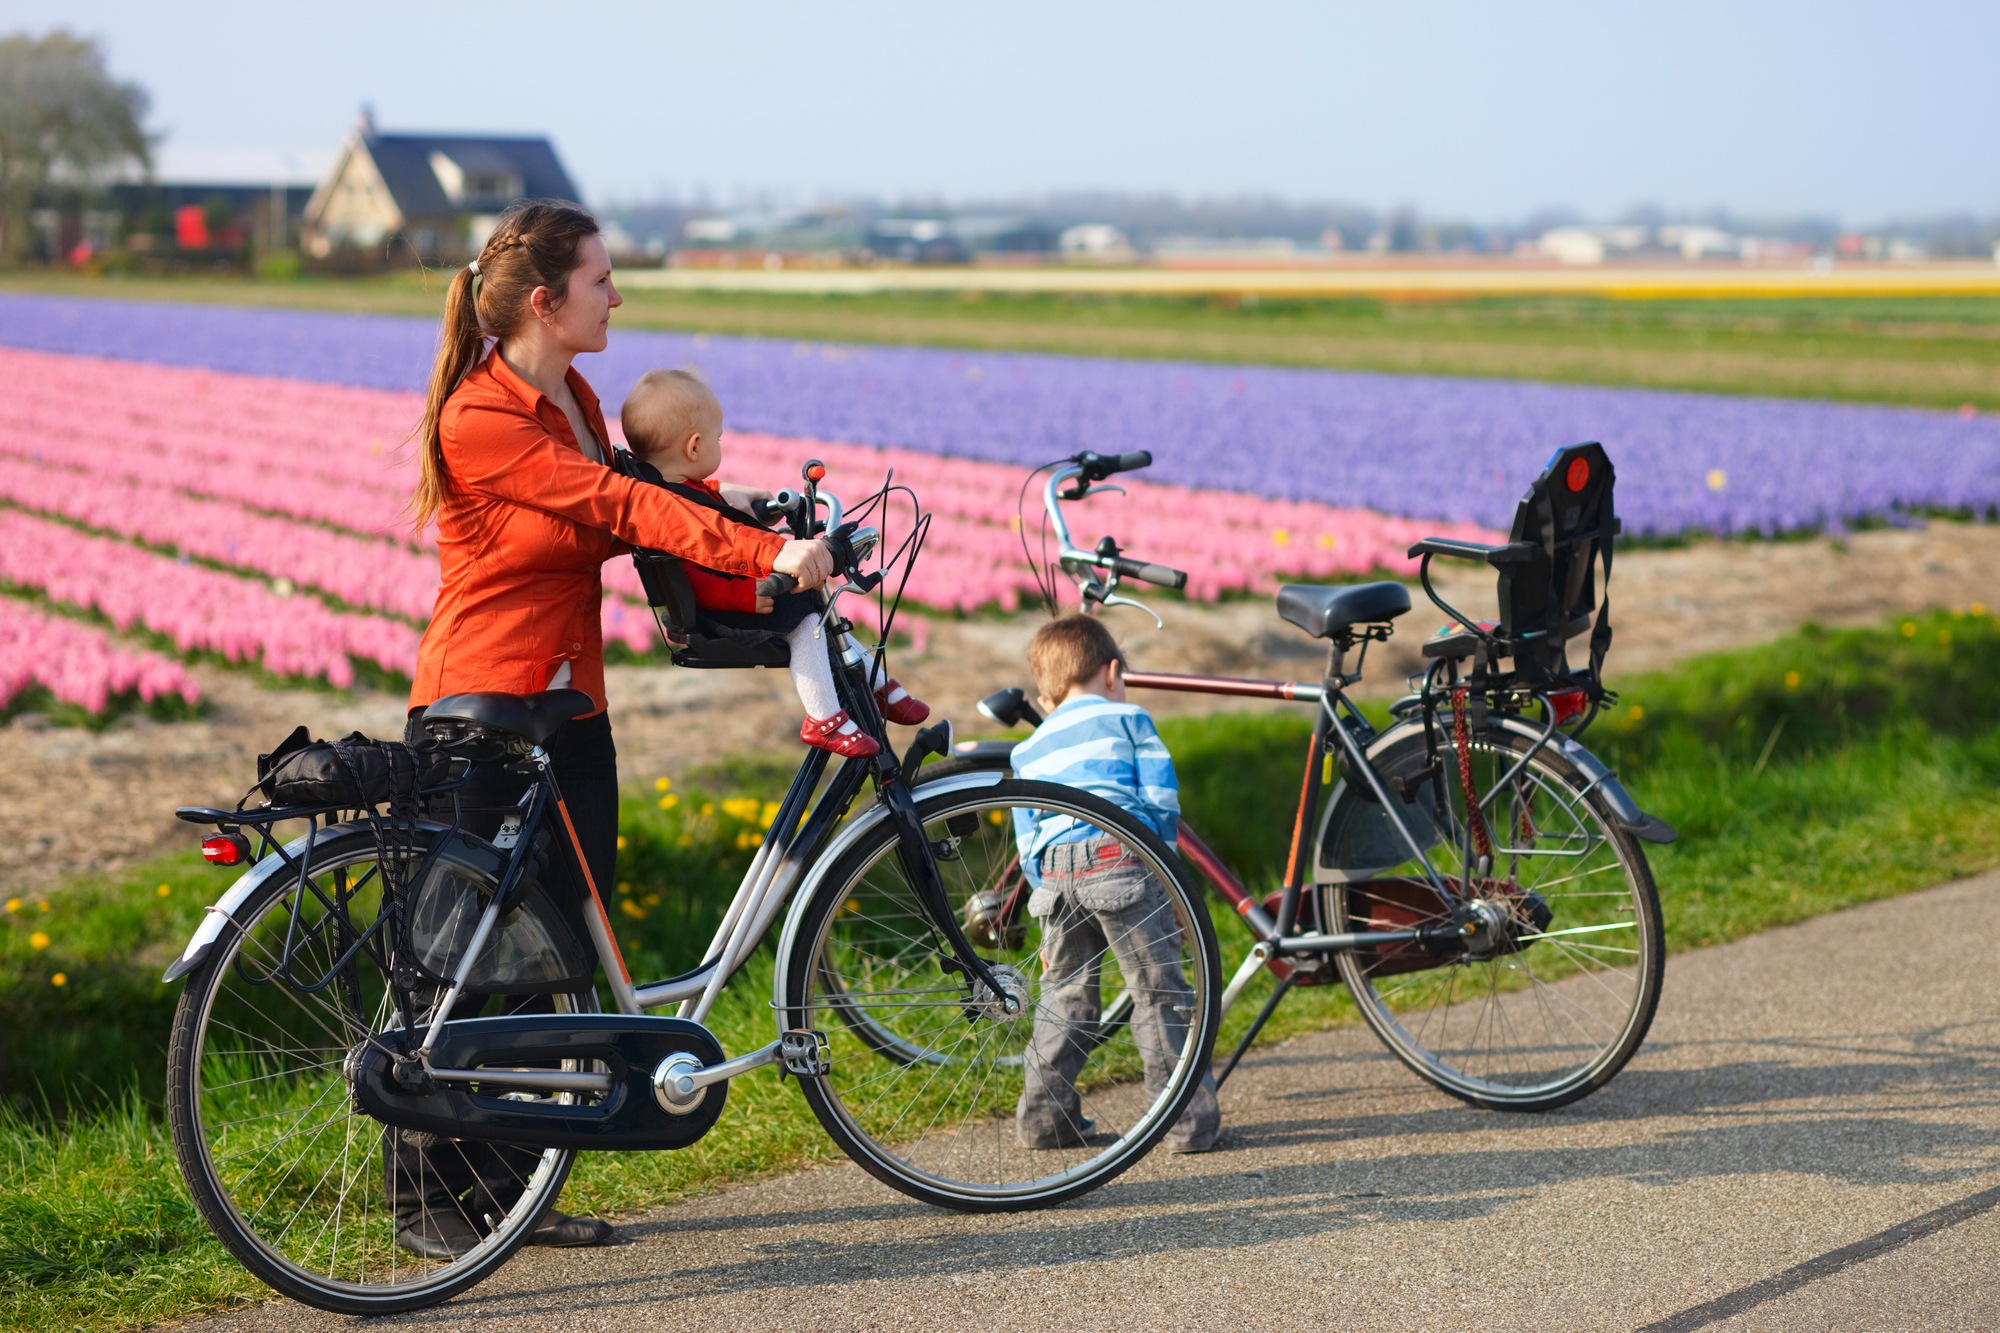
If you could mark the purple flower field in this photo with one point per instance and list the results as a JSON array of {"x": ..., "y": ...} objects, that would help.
[{"x": 1418, "y": 446}]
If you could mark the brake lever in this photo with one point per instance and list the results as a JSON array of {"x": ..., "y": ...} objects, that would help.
[{"x": 1118, "y": 599}]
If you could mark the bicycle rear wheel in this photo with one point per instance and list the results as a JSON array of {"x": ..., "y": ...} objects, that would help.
[
  {"x": 1556, "y": 989},
  {"x": 928, "y": 1067},
  {"x": 289, "y": 1175}
]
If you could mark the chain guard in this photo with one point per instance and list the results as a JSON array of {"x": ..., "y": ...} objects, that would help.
[{"x": 629, "y": 1119}]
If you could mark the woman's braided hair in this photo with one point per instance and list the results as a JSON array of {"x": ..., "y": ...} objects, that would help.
[{"x": 534, "y": 245}]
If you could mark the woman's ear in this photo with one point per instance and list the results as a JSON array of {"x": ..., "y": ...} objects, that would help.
[{"x": 538, "y": 301}]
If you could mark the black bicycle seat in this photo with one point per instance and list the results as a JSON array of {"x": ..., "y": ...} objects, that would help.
[
  {"x": 1324, "y": 612},
  {"x": 532, "y": 717}
]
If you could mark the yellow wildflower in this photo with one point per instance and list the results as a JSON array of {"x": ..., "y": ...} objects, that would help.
[
  {"x": 59, "y": 979},
  {"x": 1635, "y": 714},
  {"x": 663, "y": 784},
  {"x": 769, "y": 814},
  {"x": 13, "y": 904},
  {"x": 650, "y": 900},
  {"x": 1909, "y": 629},
  {"x": 1979, "y": 608},
  {"x": 42, "y": 906},
  {"x": 996, "y": 817},
  {"x": 744, "y": 808},
  {"x": 631, "y": 909},
  {"x": 164, "y": 890},
  {"x": 38, "y": 940},
  {"x": 1944, "y": 636},
  {"x": 621, "y": 842},
  {"x": 707, "y": 808},
  {"x": 1281, "y": 537},
  {"x": 1791, "y": 680},
  {"x": 684, "y": 841},
  {"x": 669, "y": 801}
]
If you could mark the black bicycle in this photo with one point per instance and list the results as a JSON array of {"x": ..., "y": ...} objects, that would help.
[{"x": 385, "y": 997}]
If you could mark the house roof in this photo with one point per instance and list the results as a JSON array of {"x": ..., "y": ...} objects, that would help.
[{"x": 404, "y": 160}]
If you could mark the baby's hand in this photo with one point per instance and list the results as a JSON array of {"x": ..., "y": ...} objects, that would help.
[{"x": 764, "y": 604}]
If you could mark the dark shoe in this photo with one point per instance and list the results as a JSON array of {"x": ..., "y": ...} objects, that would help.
[
  {"x": 439, "y": 1236},
  {"x": 1078, "y": 1135},
  {"x": 569, "y": 1233}
]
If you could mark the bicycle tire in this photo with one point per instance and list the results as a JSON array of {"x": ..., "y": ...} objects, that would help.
[
  {"x": 967, "y": 1157},
  {"x": 294, "y": 1061},
  {"x": 1564, "y": 1003}
]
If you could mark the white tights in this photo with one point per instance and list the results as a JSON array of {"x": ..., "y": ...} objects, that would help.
[{"x": 812, "y": 672}]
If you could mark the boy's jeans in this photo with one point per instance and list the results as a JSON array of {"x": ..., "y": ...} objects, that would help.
[{"x": 1095, "y": 895}]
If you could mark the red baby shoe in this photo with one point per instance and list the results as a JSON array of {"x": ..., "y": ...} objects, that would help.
[
  {"x": 899, "y": 705},
  {"x": 826, "y": 734}
]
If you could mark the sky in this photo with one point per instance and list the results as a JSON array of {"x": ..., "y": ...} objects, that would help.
[{"x": 1483, "y": 111}]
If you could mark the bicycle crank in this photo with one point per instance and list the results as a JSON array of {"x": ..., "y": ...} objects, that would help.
[{"x": 584, "y": 1081}]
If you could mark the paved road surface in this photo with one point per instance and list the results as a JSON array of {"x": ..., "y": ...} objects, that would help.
[{"x": 1810, "y": 1140}]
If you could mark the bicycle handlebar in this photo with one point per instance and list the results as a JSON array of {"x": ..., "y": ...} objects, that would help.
[
  {"x": 1148, "y": 573},
  {"x": 1096, "y": 467},
  {"x": 1089, "y": 467}
]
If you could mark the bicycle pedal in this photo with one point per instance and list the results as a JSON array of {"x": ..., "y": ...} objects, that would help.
[{"x": 805, "y": 1052}]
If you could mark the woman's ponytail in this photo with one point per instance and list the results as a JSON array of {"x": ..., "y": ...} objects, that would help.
[
  {"x": 460, "y": 346},
  {"x": 534, "y": 245}
]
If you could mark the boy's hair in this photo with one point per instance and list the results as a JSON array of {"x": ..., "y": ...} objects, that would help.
[
  {"x": 664, "y": 408},
  {"x": 1068, "y": 651}
]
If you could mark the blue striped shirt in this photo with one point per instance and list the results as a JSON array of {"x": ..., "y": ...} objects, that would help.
[{"x": 1111, "y": 751}]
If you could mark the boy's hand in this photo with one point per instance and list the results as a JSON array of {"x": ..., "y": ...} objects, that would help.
[
  {"x": 764, "y": 605},
  {"x": 740, "y": 497},
  {"x": 808, "y": 562}
]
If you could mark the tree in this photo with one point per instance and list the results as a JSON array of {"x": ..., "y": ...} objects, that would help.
[{"x": 63, "y": 119}]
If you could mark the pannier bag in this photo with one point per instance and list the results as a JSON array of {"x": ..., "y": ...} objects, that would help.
[{"x": 352, "y": 771}]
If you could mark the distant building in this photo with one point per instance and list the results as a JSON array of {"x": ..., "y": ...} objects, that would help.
[
  {"x": 916, "y": 241},
  {"x": 1096, "y": 240},
  {"x": 430, "y": 198}
]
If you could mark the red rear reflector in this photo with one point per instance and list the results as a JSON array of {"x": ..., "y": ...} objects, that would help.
[
  {"x": 1578, "y": 474},
  {"x": 225, "y": 849},
  {"x": 1569, "y": 704}
]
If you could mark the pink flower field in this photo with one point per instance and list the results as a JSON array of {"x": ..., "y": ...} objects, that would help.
[{"x": 262, "y": 520}]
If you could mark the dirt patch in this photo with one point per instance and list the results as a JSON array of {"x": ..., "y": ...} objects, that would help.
[{"x": 73, "y": 802}]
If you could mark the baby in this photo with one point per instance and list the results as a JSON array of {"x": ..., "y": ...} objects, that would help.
[{"x": 674, "y": 422}]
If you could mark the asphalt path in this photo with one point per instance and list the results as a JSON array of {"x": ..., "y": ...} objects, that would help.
[{"x": 1809, "y": 1140}]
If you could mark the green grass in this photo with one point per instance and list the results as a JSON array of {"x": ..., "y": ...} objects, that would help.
[
  {"x": 1829, "y": 768},
  {"x": 1938, "y": 351}
]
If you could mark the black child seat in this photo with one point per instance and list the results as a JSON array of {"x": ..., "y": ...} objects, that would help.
[
  {"x": 671, "y": 595},
  {"x": 1333, "y": 612},
  {"x": 1563, "y": 528}
]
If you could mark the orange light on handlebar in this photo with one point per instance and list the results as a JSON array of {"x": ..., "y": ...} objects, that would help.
[{"x": 815, "y": 471}]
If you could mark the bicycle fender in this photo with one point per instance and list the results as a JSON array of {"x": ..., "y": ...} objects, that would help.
[
  {"x": 1597, "y": 777},
  {"x": 857, "y": 829},
  {"x": 1601, "y": 778},
  {"x": 223, "y": 910}
]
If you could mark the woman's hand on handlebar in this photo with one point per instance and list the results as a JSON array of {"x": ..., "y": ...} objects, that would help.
[{"x": 808, "y": 562}]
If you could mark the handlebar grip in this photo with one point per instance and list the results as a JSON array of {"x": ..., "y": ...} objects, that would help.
[
  {"x": 761, "y": 510},
  {"x": 1096, "y": 467},
  {"x": 776, "y": 584},
  {"x": 1160, "y": 574}
]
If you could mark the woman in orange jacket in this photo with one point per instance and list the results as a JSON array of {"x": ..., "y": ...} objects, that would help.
[{"x": 514, "y": 453}]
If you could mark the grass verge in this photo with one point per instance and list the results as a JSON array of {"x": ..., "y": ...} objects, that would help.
[{"x": 1825, "y": 769}]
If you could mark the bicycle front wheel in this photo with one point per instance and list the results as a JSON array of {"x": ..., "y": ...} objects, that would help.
[
  {"x": 306, "y": 1191},
  {"x": 929, "y": 1069},
  {"x": 1553, "y": 990}
]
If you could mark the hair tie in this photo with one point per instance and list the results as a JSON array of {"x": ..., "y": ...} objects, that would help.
[{"x": 473, "y": 268}]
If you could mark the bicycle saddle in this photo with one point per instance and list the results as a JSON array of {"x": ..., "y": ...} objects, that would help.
[
  {"x": 532, "y": 717},
  {"x": 1324, "y": 612}
]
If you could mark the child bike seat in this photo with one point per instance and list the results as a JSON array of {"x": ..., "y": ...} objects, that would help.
[{"x": 1328, "y": 612}]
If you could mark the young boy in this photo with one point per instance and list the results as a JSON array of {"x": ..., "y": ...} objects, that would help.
[
  {"x": 674, "y": 422},
  {"x": 1090, "y": 894}
]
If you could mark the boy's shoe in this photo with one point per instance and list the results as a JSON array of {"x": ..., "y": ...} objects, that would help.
[
  {"x": 826, "y": 734},
  {"x": 1078, "y": 1135},
  {"x": 899, "y": 705},
  {"x": 439, "y": 1235},
  {"x": 566, "y": 1232}
]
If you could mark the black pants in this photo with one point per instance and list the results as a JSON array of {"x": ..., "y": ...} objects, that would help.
[{"x": 431, "y": 1174}]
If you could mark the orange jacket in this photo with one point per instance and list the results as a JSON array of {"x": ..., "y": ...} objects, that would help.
[{"x": 524, "y": 530}]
